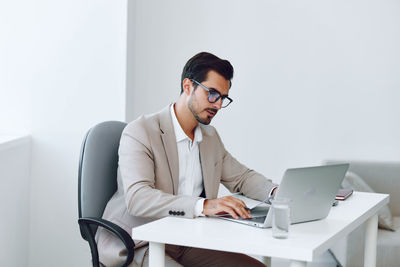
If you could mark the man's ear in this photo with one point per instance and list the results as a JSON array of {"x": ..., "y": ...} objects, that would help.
[{"x": 187, "y": 86}]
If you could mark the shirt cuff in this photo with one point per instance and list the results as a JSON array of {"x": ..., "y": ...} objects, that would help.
[
  {"x": 198, "y": 208},
  {"x": 272, "y": 190}
]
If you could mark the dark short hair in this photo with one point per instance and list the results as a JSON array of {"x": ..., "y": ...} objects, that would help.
[{"x": 199, "y": 65}]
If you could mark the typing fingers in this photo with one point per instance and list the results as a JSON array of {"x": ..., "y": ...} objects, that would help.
[{"x": 238, "y": 206}]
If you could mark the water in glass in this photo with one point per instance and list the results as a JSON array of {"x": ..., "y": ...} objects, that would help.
[{"x": 280, "y": 218}]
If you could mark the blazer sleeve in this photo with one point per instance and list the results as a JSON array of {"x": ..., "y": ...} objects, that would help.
[
  {"x": 136, "y": 165},
  {"x": 238, "y": 178}
]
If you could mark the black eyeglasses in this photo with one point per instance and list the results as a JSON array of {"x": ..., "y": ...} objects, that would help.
[{"x": 214, "y": 95}]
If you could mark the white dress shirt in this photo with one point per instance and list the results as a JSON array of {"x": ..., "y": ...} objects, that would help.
[{"x": 190, "y": 173}]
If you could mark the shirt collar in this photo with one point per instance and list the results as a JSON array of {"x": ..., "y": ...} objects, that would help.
[{"x": 180, "y": 134}]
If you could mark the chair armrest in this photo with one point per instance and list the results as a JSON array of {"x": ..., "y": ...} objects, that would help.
[{"x": 85, "y": 225}]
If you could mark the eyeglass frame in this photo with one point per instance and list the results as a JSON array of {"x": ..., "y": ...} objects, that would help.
[{"x": 210, "y": 91}]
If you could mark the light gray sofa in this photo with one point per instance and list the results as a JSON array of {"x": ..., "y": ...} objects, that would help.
[{"x": 382, "y": 177}]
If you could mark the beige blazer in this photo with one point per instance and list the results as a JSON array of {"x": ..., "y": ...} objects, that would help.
[{"x": 148, "y": 175}]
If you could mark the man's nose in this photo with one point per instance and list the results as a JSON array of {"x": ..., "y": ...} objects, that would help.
[{"x": 218, "y": 103}]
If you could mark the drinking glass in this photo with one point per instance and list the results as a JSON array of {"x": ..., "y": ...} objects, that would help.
[{"x": 280, "y": 217}]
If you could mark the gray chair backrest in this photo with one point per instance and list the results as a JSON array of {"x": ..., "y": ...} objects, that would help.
[{"x": 98, "y": 168}]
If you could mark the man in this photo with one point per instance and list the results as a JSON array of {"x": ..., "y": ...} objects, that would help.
[{"x": 171, "y": 164}]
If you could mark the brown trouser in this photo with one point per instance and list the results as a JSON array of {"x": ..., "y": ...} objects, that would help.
[
  {"x": 177, "y": 256},
  {"x": 193, "y": 257}
]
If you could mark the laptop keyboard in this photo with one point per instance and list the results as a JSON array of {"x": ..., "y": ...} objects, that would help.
[{"x": 255, "y": 219}]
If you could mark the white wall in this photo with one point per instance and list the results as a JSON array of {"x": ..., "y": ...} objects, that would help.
[
  {"x": 313, "y": 79},
  {"x": 15, "y": 166},
  {"x": 15, "y": 93},
  {"x": 71, "y": 57}
]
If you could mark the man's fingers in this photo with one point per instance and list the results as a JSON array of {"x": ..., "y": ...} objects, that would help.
[
  {"x": 235, "y": 207},
  {"x": 231, "y": 212},
  {"x": 238, "y": 206},
  {"x": 218, "y": 206}
]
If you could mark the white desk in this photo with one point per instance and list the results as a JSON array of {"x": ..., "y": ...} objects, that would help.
[{"x": 306, "y": 240}]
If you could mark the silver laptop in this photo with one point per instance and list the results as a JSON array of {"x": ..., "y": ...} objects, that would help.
[{"x": 312, "y": 191}]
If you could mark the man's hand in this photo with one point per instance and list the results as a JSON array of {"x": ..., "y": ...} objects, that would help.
[{"x": 231, "y": 205}]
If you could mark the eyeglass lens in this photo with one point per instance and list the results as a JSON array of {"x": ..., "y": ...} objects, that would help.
[{"x": 215, "y": 96}]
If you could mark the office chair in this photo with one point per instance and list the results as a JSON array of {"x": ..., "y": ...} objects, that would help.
[{"x": 97, "y": 182}]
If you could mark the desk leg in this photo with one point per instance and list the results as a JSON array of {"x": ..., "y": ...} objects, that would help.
[
  {"x": 156, "y": 254},
  {"x": 370, "y": 241},
  {"x": 294, "y": 263}
]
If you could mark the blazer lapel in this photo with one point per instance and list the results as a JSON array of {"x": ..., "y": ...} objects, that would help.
[
  {"x": 207, "y": 167},
  {"x": 169, "y": 142}
]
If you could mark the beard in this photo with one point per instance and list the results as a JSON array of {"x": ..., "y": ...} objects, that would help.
[{"x": 205, "y": 121}]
